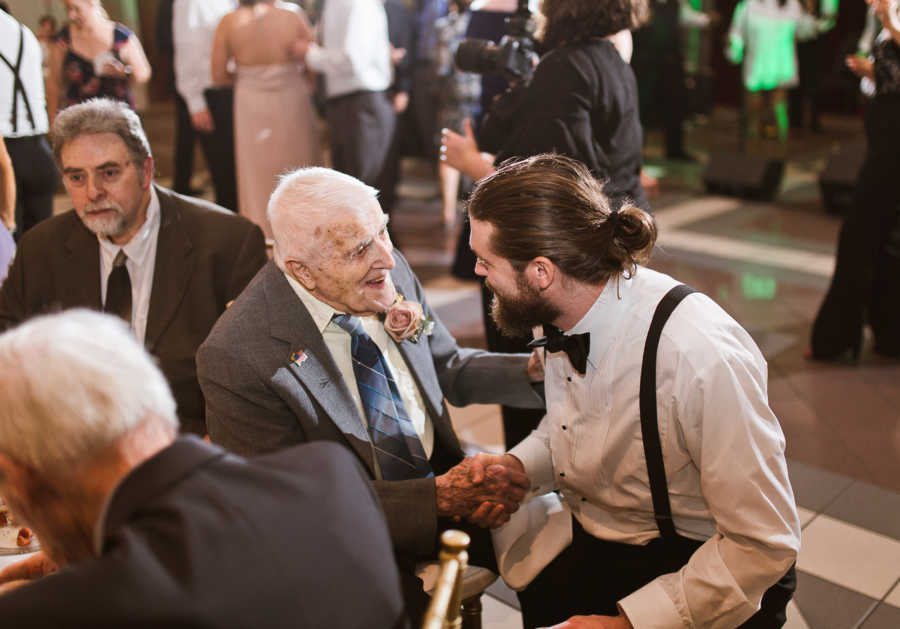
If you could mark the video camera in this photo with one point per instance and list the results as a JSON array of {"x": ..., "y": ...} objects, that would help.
[{"x": 513, "y": 58}]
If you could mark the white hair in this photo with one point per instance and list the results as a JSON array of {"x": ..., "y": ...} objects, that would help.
[
  {"x": 72, "y": 384},
  {"x": 303, "y": 200}
]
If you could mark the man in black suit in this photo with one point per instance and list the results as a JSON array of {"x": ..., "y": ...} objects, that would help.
[
  {"x": 184, "y": 260},
  {"x": 151, "y": 530}
]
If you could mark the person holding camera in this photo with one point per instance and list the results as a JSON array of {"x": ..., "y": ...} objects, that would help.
[
  {"x": 863, "y": 287},
  {"x": 582, "y": 101}
]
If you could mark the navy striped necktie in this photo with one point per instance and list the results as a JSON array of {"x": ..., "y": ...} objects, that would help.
[{"x": 397, "y": 446}]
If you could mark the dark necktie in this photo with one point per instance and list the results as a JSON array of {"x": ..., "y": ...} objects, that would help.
[
  {"x": 576, "y": 346},
  {"x": 397, "y": 446},
  {"x": 118, "y": 289}
]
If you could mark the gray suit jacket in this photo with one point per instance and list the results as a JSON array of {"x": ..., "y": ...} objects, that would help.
[{"x": 260, "y": 400}]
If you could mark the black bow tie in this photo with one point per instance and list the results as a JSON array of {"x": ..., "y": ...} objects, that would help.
[{"x": 575, "y": 345}]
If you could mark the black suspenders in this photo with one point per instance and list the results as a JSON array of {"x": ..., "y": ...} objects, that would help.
[
  {"x": 659, "y": 489},
  {"x": 18, "y": 87}
]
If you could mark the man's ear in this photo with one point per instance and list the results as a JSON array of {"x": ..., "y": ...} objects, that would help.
[
  {"x": 147, "y": 173},
  {"x": 15, "y": 479},
  {"x": 301, "y": 273},
  {"x": 541, "y": 272}
]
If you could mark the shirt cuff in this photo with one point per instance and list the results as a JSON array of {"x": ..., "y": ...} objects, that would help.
[
  {"x": 315, "y": 57},
  {"x": 651, "y": 608},
  {"x": 535, "y": 457},
  {"x": 196, "y": 104}
]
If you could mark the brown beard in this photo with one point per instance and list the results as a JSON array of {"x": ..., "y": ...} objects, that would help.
[{"x": 516, "y": 315}]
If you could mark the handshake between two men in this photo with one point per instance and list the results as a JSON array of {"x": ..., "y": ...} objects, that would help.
[{"x": 484, "y": 489}]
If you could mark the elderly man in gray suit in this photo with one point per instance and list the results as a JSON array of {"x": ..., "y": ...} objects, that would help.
[{"x": 333, "y": 341}]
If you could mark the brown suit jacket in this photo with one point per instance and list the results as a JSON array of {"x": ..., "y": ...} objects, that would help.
[{"x": 204, "y": 258}]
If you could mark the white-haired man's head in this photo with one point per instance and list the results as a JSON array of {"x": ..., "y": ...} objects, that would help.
[
  {"x": 331, "y": 236},
  {"x": 71, "y": 385},
  {"x": 81, "y": 402}
]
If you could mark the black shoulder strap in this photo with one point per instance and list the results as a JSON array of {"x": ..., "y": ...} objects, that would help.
[
  {"x": 18, "y": 86},
  {"x": 659, "y": 489}
]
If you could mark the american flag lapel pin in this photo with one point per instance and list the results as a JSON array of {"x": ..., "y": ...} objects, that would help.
[{"x": 298, "y": 357}]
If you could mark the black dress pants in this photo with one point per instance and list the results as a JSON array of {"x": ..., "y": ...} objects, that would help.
[
  {"x": 591, "y": 575},
  {"x": 36, "y": 180},
  {"x": 218, "y": 146}
]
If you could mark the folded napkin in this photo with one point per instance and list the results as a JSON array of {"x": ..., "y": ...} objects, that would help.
[{"x": 534, "y": 535}]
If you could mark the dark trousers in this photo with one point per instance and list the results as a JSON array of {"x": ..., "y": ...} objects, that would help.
[
  {"x": 361, "y": 127},
  {"x": 36, "y": 180},
  {"x": 805, "y": 97},
  {"x": 424, "y": 106},
  {"x": 185, "y": 137},
  {"x": 390, "y": 174},
  {"x": 218, "y": 146},
  {"x": 855, "y": 295},
  {"x": 591, "y": 575}
]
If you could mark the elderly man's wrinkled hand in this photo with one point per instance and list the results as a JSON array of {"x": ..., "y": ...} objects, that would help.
[{"x": 484, "y": 489}]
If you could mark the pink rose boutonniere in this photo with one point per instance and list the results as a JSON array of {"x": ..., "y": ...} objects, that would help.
[{"x": 406, "y": 320}]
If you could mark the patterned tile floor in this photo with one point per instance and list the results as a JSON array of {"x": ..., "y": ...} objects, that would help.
[{"x": 767, "y": 264}]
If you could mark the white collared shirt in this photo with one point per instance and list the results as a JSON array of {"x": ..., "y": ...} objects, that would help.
[
  {"x": 355, "y": 53},
  {"x": 31, "y": 74},
  {"x": 194, "y": 24},
  {"x": 141, "y": 252},
  {"x": 722, "y": 446},
  {"x": 337, "y": 340}
]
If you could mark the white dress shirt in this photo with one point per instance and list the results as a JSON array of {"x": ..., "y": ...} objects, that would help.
[
  {"x": 32, "y": 75},
  {"x": 722, "y": 446},
  {"x": 355, "y": 53},
  {"x": 194, "y": 24},
  {"x": 141, "y": 252},
  {"x": 338, "y": 342}
]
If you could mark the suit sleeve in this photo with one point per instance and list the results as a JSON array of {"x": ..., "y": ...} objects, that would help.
[
  {"x": 12, "y": 294},
  {"x": 473, "y": 376}
]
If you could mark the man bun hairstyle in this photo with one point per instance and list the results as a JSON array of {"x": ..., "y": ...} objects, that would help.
[{"x": 552, "y": 206}]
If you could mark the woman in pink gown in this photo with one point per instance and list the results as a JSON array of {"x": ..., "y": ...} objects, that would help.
[{"x": 275, "y": 124}]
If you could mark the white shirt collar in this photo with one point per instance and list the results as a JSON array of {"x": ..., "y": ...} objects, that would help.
[
  {"x": 320, "y": 312},
  {"x": 139, "y": 247},
  {"x": 604, "y": 318}
]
